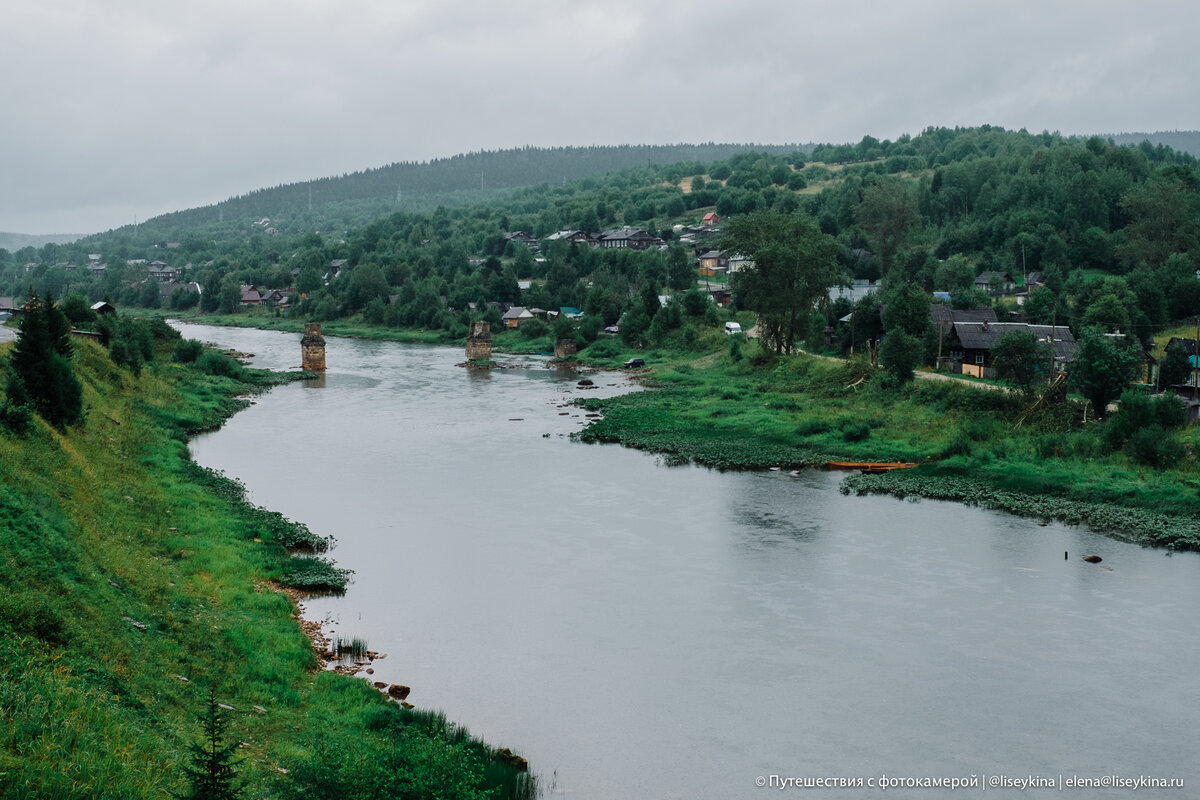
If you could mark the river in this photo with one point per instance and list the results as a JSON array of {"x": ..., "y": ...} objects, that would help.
[{"x": 644, "y": 631}]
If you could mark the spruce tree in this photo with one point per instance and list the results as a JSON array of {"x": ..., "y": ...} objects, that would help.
[
  {"x": 41, "y": 359},
  {"x": 212, "y": 775}
]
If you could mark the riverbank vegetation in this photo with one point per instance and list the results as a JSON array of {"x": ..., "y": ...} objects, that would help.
[
  {"x": 138, "y": 587},
  {"x": 1029, "y": 454}
]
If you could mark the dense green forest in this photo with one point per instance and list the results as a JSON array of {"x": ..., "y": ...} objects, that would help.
[{"x": 1111, "y": 229}]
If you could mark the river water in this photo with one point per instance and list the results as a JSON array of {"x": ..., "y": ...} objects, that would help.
[{"x": 643, "y": 631}]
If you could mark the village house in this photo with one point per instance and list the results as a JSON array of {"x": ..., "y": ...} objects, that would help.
[
  {"x": 971, "y": 344},
  {"x": 250, "y": 295},
  {"x": 516, "y": 316},
  {"x": 713, "y": 262},
  {"x": 162, "y": 272},
  {"x": 631, "y": 238},
  {"x": 711, "y": 220},
  {"x": 995, "y": 283},
  {"x": 520, "y": 237},
  {"x": 577, "y": 237},
  {"x": 739, "y": 262}
]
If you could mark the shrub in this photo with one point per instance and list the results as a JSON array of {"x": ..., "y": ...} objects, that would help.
[
  {"x": 534, "y": 329},
  {"x": 604, "y": 348},
  {"x": 855, "y": 431},
  {"x": 1155, "y": 447},
  {"x": 812, "y": 427},
  {"x": 188, "y": 350},
  {"x": 215, "y": 363}
]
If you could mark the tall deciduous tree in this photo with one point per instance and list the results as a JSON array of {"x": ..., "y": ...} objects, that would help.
[
  {"x": 887, "y": 212},
  {"x": 1175, "y": 367},
  {"x": 794, "y": 266},
  {"x": 1017, "y": 355},
  {"x": 1101, "y": 369}
]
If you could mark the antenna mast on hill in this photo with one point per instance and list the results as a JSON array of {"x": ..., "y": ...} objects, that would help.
[{"x": 310, "y": 197}]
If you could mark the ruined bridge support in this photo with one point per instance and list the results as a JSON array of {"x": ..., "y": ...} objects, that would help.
[{"x": 312, "y": 348}]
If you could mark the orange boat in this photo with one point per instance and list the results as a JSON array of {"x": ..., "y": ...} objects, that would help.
[{"x": 868, "y": 467}]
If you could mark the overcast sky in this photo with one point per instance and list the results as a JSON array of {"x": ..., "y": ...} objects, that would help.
[{"x": 111, "y": 111}]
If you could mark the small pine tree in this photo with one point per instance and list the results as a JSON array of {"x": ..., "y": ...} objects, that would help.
[
  {"x": 17, "y": 411},
  {"x": 212, "y": 775}
]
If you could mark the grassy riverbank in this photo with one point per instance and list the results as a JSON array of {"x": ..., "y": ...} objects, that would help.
[
  {"x": 134, "y": 584},
  {"x": 740, "y": 409}
]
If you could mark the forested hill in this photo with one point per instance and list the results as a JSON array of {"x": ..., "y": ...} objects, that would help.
[
  {"x": 359, "y": 197},
  {"x": 1183, "y": 141}
]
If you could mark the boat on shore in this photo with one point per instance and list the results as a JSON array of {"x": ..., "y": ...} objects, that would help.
[{"x": 869, "y": 467}]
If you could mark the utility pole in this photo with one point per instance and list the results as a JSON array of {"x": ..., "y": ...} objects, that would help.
[{"x": 1053, "y": 320}]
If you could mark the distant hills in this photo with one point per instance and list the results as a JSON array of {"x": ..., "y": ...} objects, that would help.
[
  {"x": 1183, "y": 141},
  {"x": 358, "y": 197},
  {"x": 15, "y": 241}
]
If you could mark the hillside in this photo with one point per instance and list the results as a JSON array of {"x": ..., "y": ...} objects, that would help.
[
  {"x": 356, "y": 198},
  {"x": 136, "y": 586}
]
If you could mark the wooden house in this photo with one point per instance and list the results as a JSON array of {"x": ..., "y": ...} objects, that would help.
[
  {"x": 516, "y": 316},
  {"x": 713, "y": 262},
  {"x": 995, "y": 283},
  {"x": 972, "y": 342}
]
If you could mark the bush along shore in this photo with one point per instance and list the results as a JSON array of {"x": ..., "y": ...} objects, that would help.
[
  {"x": 148, "y": 643},
  {"x": 1025, "y": 453}
]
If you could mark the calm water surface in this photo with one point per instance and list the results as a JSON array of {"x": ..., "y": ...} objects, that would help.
[{"x": 640, "y": 631}]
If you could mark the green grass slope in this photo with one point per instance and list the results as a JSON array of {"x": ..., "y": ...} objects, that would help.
[{"x": 133, "y": 584}]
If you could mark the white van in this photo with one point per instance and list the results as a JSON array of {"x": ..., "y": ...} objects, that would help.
[{"x": 732, "y": 327}]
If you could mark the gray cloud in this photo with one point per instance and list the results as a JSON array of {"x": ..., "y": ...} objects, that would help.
[{"x": 138, "y": 108}]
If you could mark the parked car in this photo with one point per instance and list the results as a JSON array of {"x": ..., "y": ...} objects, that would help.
[{"x": 635, "y": 362}]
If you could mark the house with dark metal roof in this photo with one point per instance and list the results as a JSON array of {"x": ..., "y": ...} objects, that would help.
[
  {"x": 944, "y": 316},
  {"x": 972, "y": 343},
  {"x": 631, "y": 238},
  {"x": 995, "y": 283},
  {"x": 520, "y": 237}
]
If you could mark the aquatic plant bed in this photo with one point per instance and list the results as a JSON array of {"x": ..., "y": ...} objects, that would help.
[{"x": 1141, "y": 525}]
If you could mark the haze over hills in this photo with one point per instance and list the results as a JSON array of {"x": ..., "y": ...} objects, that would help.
[
  {"x": 1183, "y": 141},
  {"x": 15, "y": 241}
]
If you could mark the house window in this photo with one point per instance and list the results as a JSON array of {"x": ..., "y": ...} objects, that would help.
[{"x": 979, "y": 358}]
